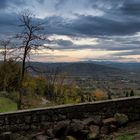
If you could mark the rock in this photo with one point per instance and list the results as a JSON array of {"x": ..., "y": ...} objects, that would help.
[
  {"x": 23, "y": 138},
  {"x": 60, "y": 128},
  {"x": 97, "y": 119},
  {"x": 93, "y": 132},
  {"x": 49, "y": 133},
  {"x": 91, "y": 136},
  {"x": 34, "y": 127},
  {"x": 105, "y": 130},
  {"x": 94, "y": 128},
  {"x": 16, "y": 136},
  {"x": 46, "y": 125},
  {"x": 36, "y": 134},
  {"x": 41, "y": 137},
  {"x": 84, "y": 132},
  {"x": 113, "y": 128},
  {"x": 6, "y": 136},
  {"x": 109, "y": 121},
  {"x": 75, "y": 129},
  {"x": 76, "y": 125},
  {"x": 90, "y": 121},
  {"x": 122, "y": 119},
  {"x": 70, "y": 138}
]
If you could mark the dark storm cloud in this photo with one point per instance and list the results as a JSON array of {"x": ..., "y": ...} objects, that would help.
[
  {"x": 91, "y": 26},
  {"x": 63, "y": 43},
  {"x": 131, "y": 7},
  {"x": 57, "y": 25},
  {"x": 3, "y": 4},
  {"x": 88, "y": 25},
  {"x": 8, "y": 19},
  {"x": 8, "y": 24},
  {"x": 68, "y": 45},
  {"x": 6, "y": 3},
  {"x": 118, "y": 18}
]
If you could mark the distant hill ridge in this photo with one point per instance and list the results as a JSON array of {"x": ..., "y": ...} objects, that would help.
[{"x": 78, "y": 68}]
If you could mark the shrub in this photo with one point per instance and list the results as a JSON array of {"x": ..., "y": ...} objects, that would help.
[
  {"x": 99, "y": 94},
  {"x": 122, "y": 119}
]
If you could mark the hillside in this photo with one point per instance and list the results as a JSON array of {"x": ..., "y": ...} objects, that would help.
[
  {"x": 89, "y": 69},
  {"x": 78, "y": 69},
  {"x": 132, "y": 67}
]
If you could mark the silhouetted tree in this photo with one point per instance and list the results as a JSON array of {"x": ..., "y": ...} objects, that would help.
[
  {"x": 126, "y": 94},
  {"x": 5, "y": 48},
  {"x": 31, "y": 39},
  {"x": 131, "y": 93}
]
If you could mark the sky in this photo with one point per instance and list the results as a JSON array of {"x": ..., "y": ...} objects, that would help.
[{"x": 80, "y": 30}]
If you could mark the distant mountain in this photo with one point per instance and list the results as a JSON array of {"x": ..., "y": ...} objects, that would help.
[
  {"x": 80, "y": 69},
  {"x": 88, "y": 69},
  {"x": 132, "y": 67}
]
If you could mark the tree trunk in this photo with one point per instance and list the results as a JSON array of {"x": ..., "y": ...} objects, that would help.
[{"x": 19, "y": 104}]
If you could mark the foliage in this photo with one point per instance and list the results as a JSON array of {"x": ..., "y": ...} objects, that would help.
[
  {"x": 9, "y": 75},
  {"x": 62, "y": 94},
  {"x": 69, "y": 94},
  {"x": 99, "y": 94},
  {"x": 131, "y": 93},
  {"x": 122, "y": 119},
  {"x": 126, "y": 94},
  {"x": 40, "y": 82},
  {"x": 28, "y": 85},
  {"x": 34, "y": 85}
]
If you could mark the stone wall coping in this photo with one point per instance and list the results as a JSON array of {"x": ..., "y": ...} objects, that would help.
[{"x": 70, "y": 105}]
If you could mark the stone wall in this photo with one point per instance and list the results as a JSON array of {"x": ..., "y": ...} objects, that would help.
[{"x": 31, "y": 119}]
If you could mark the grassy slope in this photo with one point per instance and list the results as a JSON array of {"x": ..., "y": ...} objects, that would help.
[{"x": 7, "y": 105}]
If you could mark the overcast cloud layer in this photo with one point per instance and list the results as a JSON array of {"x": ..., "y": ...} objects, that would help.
[{"x": 109, "y": 27}]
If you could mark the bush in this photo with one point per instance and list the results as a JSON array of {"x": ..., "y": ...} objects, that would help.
[
  {"x": 122, "y": 119},
  {"x": 98, "y": 94}
]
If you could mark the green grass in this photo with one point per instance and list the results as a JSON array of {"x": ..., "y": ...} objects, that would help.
[
  {"x": 7, "y": 105},
  {"x": 126, "y": 137}
]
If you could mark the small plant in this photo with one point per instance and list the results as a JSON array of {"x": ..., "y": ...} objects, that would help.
[{"x": 122, "y": 119}]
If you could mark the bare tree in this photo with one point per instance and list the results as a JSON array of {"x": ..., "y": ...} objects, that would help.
[
  {"x": 5, "y": 51},
  {"x": 31, "y": 39}
]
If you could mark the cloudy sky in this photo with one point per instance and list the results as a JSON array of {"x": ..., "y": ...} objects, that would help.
[{"x": 80, "y": 30}]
